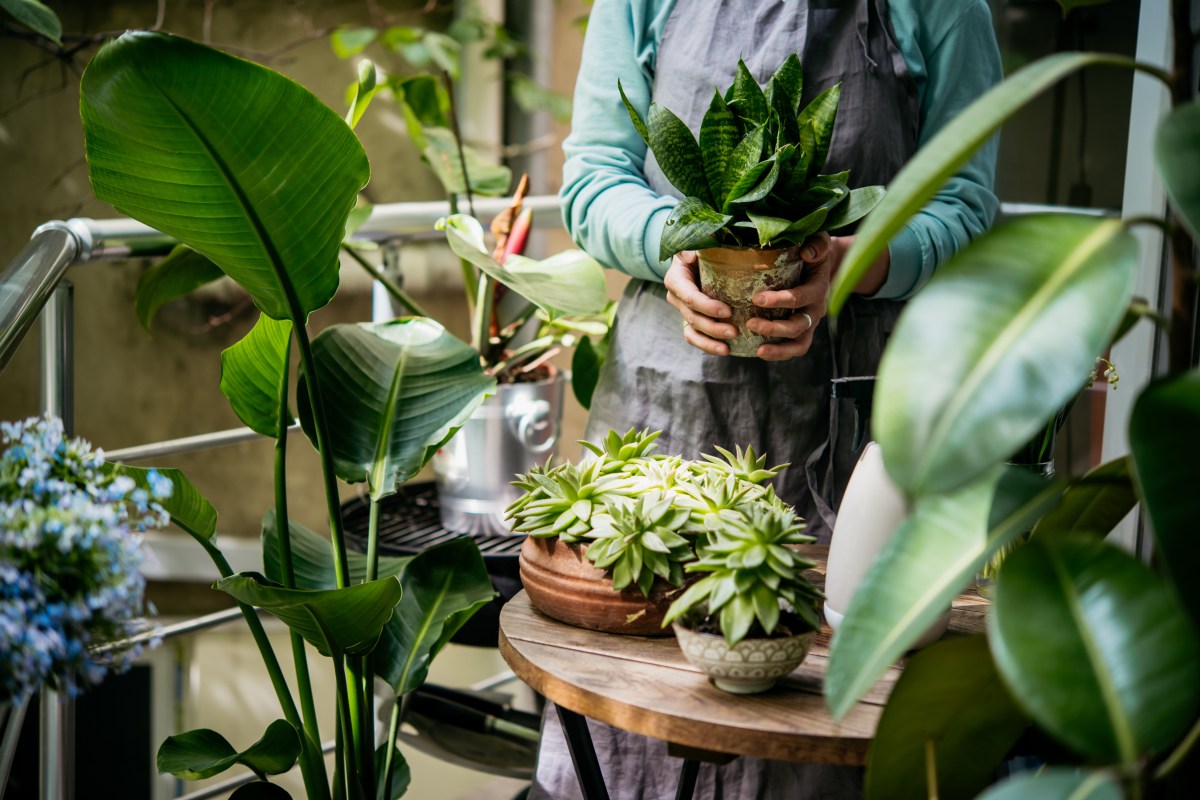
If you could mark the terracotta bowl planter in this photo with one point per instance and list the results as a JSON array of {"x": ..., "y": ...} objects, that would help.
[
  {"x": 734, "y": 275},
  {"x": 563, "y": 584}
]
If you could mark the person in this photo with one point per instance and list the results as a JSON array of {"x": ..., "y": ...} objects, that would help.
[{"x": 907, "y": 67}]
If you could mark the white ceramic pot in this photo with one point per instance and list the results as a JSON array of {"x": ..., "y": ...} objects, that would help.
[{"x": 749, "y": 667}]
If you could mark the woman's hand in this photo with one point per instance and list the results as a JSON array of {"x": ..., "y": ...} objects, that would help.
[
  {"x": 702, "y": 315},
  {"x": 821, "y": 255}
]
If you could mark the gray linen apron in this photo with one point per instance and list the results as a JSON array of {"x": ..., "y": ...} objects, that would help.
[{"x": 654, "y": 379}]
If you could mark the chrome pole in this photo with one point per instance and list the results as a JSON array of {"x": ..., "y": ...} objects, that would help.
[{"x": 27, "y": 282}]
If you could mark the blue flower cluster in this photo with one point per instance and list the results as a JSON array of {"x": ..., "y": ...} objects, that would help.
[{"x": 70, "y": 557}]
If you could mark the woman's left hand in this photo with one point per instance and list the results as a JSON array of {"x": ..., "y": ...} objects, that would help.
[{"x": 820, "y": 255}]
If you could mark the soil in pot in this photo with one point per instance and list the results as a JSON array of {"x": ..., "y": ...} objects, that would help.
[{"x": 734, "y": 275}]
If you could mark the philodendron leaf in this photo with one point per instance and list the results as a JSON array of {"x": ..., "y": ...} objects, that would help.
[
  {"x": 690, "y": 226},
  {"x": 745, "y": 166},
  {"x": 179, "y": 274},
  {"x": 567, "y": 283},
  {"x": 203, "y": 753},
  {"x": 1031, "y": 304},
  {"x": 189, "y": 509},
  {"x": 857, "y": 205},
  {"x": 745, "y": 97},
  {"x": 821, "y": 114},
  {"x": 343, "y": 621},
  {"x": 254, "y": 372},
  {"x": 943, "y": 155},
  {"x": 443, "y": 587},
  {"x": 36, "y": 16},
  {"x": 441, "y": 152},
  {"x": 949, "y": 704},
  {"x": 226, "y": 156},
  {"x": 1056, "y": 783},
  {"x": 1118, "y": 679},
  {"x": 790, "y": 78},
  {"x": 719, "y": 134},
  {"x": 677, "y": 152},
  {"x": 1178, "y": 159},
  {"x": 260, "y": 790},
  {"x": 1164, "y": 432},
  {"x": 1095, "y": 503},
  {"x": 394, "y": 392},
  {"x": 312, "y": 558}
]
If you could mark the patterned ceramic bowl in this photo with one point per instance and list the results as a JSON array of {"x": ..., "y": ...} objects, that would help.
[{"x": 749, "y": 667}]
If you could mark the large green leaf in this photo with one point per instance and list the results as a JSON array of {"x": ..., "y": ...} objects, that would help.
[
  {"x": 1056, "y": 783},
  {"x": 235, "y": 160},
  {"x": 179, "y": 274},
  {"x": 945, "y": 153},
  {"x": 443, "y": 587},
  {"x": 1030, "y": 304},
  {"x": 394, "y": 392},
  {"x": 934, "y": 553},
  {"x": 343, "y": 621},
  {"x": 203, "y": 753},
  {"x": 1177, "y": 153},
  {"x": 690, "y": 226},
  {"x": 312, "y": 558},
  {"x": 1164, "y": 435},
  {"x": 745, "y": 97},
  {"x": 1094, "y": 648},
  {"x": 441, "y": 152},
  {"x": 948, "y": 699},
  {"x": 1095, "y": 503},
  {"x": 254, "y": 371},
  {"x": 189, "y": 509},
  {"x": 821, "y": 114},
  {"x": 567, "y": 283},
  {"x": 677, "y": 152},
  {"x": 719, "y": 134},
  {"x": 36, "y": 16}
]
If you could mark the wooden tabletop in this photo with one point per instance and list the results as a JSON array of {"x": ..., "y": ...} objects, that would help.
[{"x": 644, "y": 685}]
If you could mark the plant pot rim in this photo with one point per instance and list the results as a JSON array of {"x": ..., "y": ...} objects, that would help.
[
  {"x": 682, "y": 622},
  {"x": 745, "y": 248}
]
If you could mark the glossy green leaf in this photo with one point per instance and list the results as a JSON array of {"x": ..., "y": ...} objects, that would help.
[
  {"x": 690, "y": 226},
  {"x": 768, "y": 227},
  {"x": 934, "y": 553},
  {"x": 226, "y": 156},
  {"x": 821, "y": 113},
  {"x": 950, "y": 698},
  {"x": 36, "y": 16},
  {"x": 425, "y": 103},
  {"x": 745, "y": 167},
  {"x": 260, "y": 790},
  {"x": 745, "y": 97},
  {"x": 567, "y": 283},
  {"x": 783, "y": 106},
  {"x": 189, "y": 509},
  {"x": 444, "y": 51},
  {"x": 945, "y": 153},
  {"x": 347, "y": 41},
  {"x": 814, "y": 221},
  {"x": 586, "y": 362},
  {"x": 790, "y": 77},
  {"x": 442, "y": 154},
  {"x": 394, "y": 392},
  {"x": 1031, "y": 304},
  {"x": 343, "y": 621},
  {"x": 179, "y": 274},
  {"x": 719, "y": 134},
  {"x": 254, "y": 371},
  {"x": 677, "y": 152},
  {"x": 860, "y": 203},
  {"x": 203, "y": 753},
  {"x": 401, "y": 774},
  {"x": 364, "y": 92},
  {"x": 312, "y": 558},
  {"x": 1094, "y": 648},
  {"x": 443, "y": 587},
  {"x": 1177, "y": 153},
  {"x": 764, "y": 185},
  {"x": 1095, "y": 503},
  {"x": 1164, "y": 437},
  {"x": 1056, "y": 783}
]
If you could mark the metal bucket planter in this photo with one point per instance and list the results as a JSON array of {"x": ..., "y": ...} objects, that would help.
[{"x": 513, "y": 430}]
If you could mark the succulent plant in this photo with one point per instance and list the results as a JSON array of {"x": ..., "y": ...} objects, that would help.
[
  {"x": 745, "y": 465},
  {"x": 753, "y": 178},
  {"x": 715, "y": 499},
  {"x": 616, "y": 451},
  {"x": 642, "y": 540},
  {"x": 560, "y": 500}
]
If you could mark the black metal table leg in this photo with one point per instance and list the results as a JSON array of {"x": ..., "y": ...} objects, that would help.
[
  {"x": 583, "y": 754},
  {"x": 687, "y": 780}
]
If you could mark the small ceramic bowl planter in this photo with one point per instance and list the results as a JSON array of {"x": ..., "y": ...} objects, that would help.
[{"x": 749, "y": 667}]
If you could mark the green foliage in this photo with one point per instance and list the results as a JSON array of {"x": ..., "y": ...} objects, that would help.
[
  {"x": 641, "y": 540},
  {"x": 189, "y": 509},
  {"x": 36, "y": 16},
  {"x": 749, "y": 180},
  {"x": 177, "y": 275},
  {"x": 203, "y": 753},
  {"x": 1055, "y": 784},
  {"x": 254, "y": 371}
]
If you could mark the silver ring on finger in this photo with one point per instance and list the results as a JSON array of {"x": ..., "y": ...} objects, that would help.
[{"x": 808, "y": 319}]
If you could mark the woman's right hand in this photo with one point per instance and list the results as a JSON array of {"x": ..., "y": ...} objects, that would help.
[{"x": 702, "y": 315}]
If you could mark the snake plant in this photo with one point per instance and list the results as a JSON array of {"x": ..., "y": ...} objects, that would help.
[{"x": 753, "y": 179}]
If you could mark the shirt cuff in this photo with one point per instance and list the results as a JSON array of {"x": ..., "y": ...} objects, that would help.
[
  {"x": 904, "y": 267},
  {"x": 650, "y": 242}
]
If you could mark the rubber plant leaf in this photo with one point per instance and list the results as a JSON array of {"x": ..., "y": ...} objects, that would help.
[
  {"x": 189, "y": 509},
  {"x": 821, "y": 114},
  {"x": 745, "y": 97},
  {"x": 1163, "y": 431},
  {"x": 940, "y": 158},
  {"x": 677, "y": 152},
  {"x": 1056, "y": 783},
  {"x": 178, "y": 275},
  {"x": 1031, "y": 302},
  {"x": 312, "y": 560},
  {"x": 1120, "y": 678},
  {"x": 1094, "y": 504},
  {"x": 1178, "y": 159},
  {"x": 745, "y": 165},
  {"x": 790, "y": 78},
  {"x": 202, "y": 753},
  {"x": 719, "y": 134},
  {"x": 344, "y": 621},
  {"x": 244, "y": 165},
  {"x": 690, "y": 226},
  {"x": 443, "y": 587},
  {"x": 38, "y": 17},
  {"x": 254, "y": 371},
  {"x": 860, "y": 203},
  {"x": 394, "y": 393},
  {"x": 949, "y": 706},
  {"x": 570, "y": 283}
]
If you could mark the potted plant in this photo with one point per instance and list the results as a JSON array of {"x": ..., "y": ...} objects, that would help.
[{"x": 752, "y": 188}]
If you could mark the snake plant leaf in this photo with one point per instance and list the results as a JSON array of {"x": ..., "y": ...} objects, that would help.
[
  {"x": 36, "y": 16},
  {"x": 814, "y": 221},
  {"x": 394, "y": 392},
  {"x": 745, "y": 97},
  {"x": 566, "y": 284},
  {"x": 765, "y": 185},
  {"x": 254, "y": 372},
  {"x": 1056, "y": 783},
  {"x": 943, "y": 155},
  {"x": 858, "y": 205},
  {"x": 719, "y": 134},
  {"x": 935, "y": 551},
  {"x": 790, "y": 78},
  {"x": 821, "y": 113},
  {"x": 443, "y": 587},
  {"x": 179, "y": 274},
  {"x": 1163, "y": 431},
  {"x": 638, "y": 122},
  {"x": 340, "y": 622},
  {"x": 949, "y": 700},
  {"x": 189, "y": 509},
  {"x": 1031, "y": 304},
  {"x": 202, "y": 753},
  {"x": 690, "y": 227},
  {"x": 312, "y": 559},
  {"x": 745, "y": 165},
  {"x": 260, "y": 790},
  {"x": 1178, "y": 160},
  {"x": 677, "y": 152},
  {"x": 1119, "y": 679},
  {"x": 783, "y": 104},
  {"x": 1095, "y": 503},
  {"x": 237, "y": 161},
  {"x": 768, "y": 227},
  {"x": 401, "y": 774}
]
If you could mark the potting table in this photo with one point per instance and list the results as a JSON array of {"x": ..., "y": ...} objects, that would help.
[{"x": 644, "y": 685}]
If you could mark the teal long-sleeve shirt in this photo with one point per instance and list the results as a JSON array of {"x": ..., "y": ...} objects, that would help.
[{"x": 614, "y": 215}]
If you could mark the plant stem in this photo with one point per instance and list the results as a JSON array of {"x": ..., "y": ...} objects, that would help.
[
  {"x": 481, "y": 333},
  {"x": 399, "y": 710},
  {"x": 470, "y": 281},
  {"x": 931, "y": 786},
  {"x": 394, "y": 290},
  {"x": 349, "y": 743},
  {"x": 339, "y": 762},
  {"x": 526, "y": 351},
  {"x": 1179, "y": 753},
  {"x": 462, "y": 156}
]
